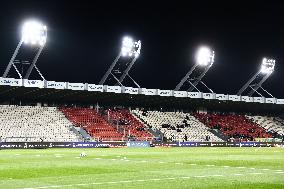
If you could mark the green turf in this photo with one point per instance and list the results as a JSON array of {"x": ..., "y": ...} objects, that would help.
[{"x": 147, "y": 168}]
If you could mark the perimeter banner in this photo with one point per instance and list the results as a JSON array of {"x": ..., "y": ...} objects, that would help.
[{"x": 134, "y": 144}]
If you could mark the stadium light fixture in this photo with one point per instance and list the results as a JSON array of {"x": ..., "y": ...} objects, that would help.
[
  {"x": 34, "y": 33},
  {"x": 267, "y": 66},
  {"x": 204, "y": 59},
  {"x": 205, "y": 56},
  {"x": 130, "y": 47},
  {"x": 256, "y": 81}
]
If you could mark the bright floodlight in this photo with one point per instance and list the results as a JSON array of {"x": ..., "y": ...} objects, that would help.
[
  {"x": 34, "y": 32},
  {"x": 267, "y": 66},
  {"x": 130, "y": 48},
  {"x": 205, "y": 56}
]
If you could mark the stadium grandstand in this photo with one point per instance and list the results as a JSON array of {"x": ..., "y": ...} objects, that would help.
[
  {"x": 70, "y": 124},
  {"x": 50, "y": 111}
]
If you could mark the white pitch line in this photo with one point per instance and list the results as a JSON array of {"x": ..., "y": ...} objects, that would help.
[
  {"x": 256, "y": 173},
  {"x": 240, "y": 167},
  {"x": 226, "y": 166},
  {"x": 100, "y": 183},
  {"x": 112, "y": 182},
  {"x": 201, "y": 176},
  {"x": 161, "y": 162},
  {"x": 126, "y": 181},
  {"x": 178, "y": 163},
  {"x": 192, "y": 164},
  {"x": 155, "y": 179},
  {"x": 279, "y": 172},
  {"x": 171, "y": 178},
  {"x": 210, "y": 165},
  {"x": 132, "y": 181},
  {"x": 185, "y": 177},
  {"x": 83, "y": 184},
  {"x": 238, "y": 174},
  {"x": 265, "y": 169}
]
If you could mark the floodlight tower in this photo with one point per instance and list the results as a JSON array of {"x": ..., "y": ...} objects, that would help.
[
  {"x": 34, "y": 33},
  {"x": 204, "y": 60},
  {"x": 130, "y": 49},
  {"x": 266, "y": 69}
]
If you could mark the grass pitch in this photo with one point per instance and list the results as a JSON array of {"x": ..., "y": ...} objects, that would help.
[{"x": 162, "y": 168}]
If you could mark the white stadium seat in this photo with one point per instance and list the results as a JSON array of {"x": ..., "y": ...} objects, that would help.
[
  {"x": 34, "y": 124},
  {"x": 197, "y": 131},
  {"x": 273, "y": 124}
]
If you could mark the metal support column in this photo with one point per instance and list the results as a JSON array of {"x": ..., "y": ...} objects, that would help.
[
  {"x": 257, "y": 86},
  {"x": 12, "y": 59},
  {"x": 29, "y": 71},
  {"x": 195, "y": 83},
  {"x": 110, "y": 69},
  {"x": 247, "y": 84},
  {"x": 184, "y": 79},
  {"x": 125, "y": 73}
]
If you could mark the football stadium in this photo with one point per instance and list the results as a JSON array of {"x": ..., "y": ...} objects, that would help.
[{"x": 116, "y": 133}]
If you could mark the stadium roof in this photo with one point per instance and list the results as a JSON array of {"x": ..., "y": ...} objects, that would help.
[{"x": 80, "y": 93}]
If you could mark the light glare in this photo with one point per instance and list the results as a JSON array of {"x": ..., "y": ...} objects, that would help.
[
  {"x": 205, "y": 56},
  {"x": 130, "y": 48},
  {"x": 34, "y": 33},
  {"x": 267, "y": 66}
]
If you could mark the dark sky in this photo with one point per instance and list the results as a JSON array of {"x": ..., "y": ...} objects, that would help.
[{"x": 84, "y": 37}]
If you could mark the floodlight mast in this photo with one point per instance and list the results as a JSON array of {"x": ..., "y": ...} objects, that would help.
[
  {"x": 129, "y": 49},
  {"x": 267, "y": 68},
  {"x": 33, "y": 33},
  {"x": 204, "y": 59}
]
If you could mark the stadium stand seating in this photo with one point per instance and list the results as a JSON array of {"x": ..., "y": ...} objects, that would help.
[
  {"x": 93, "y": 123},
  {"x": 233, "y": 126},
  {"x": 34, "y": 124},
  {"x": 176, "y": 125},
  {"x": 51, "y": 124},
  {"x": 129, "y": 124},
  {"x": 273, "y": 125}
]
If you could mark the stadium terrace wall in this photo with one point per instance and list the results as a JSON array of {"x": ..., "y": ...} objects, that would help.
[
  {"x": 65, "y": 92},
  {"x": 45, "y": 145}
]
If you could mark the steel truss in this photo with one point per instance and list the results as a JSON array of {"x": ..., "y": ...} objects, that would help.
[
  {"x": 254, "y": 84},
  {"x": 117, "y": 72},
  {"x": 193, "y": 78},
  {"x": 32, "y": 65}
]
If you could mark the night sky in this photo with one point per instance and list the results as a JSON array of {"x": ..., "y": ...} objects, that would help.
[{"x": 84, "y": 37}]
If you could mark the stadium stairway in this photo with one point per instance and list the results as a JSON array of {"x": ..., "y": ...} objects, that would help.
[
  {"x": 127, "y": 123},
  {"x": 219, "y": 134},
  {"x": 83, "y": 133}
]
